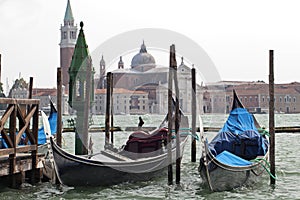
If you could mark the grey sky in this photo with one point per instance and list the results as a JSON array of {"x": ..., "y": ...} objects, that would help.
[{"x": 235, "y": 34}]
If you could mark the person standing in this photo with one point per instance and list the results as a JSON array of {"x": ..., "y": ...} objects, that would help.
[{"x": 141, "y": 122}]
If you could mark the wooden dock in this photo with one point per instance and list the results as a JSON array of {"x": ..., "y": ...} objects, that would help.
[
  {"x": 22, "y": 170},
  {"x": 20, "y": 160}
]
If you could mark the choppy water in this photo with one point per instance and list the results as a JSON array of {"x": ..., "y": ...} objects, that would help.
[{"x": 287, "y": 167}]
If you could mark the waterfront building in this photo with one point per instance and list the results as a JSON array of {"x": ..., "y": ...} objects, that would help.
[
  {"x": 145, "y": 76},
  {"x": 124, "y": 101},
  {"x": 253, "y": 95}
]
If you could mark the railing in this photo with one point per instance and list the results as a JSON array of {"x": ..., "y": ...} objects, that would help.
[{"x": 20, "y": 112}]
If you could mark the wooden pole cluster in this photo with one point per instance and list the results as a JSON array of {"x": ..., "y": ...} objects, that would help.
[
  {"x": 108, "y": 93},
  {"x": 194, "y": 113},
  {"x": 178, "y": 157},
  {"x": 170, "y": 111},
  {"x": 173, "y": 76},
  {"x": 271, "y": 116},
  {"x": 59, "y": 102}
]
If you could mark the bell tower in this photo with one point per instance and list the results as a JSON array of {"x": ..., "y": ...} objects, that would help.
[
  {"x": 67, "y": 43},
  {"x": 101, "y": 83},
  {"x": 121, "y": 63}
]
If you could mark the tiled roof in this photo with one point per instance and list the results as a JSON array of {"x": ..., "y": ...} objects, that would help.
[{"x": 44, "y": 91}]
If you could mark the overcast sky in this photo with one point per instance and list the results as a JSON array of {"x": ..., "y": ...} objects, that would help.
[{"x": 236, "y": 35}]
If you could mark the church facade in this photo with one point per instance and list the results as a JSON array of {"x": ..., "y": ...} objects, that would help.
[{"x": 143, "y": 75}]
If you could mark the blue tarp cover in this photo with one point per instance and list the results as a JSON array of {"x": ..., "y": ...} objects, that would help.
[
  {"x": 239, "y": 120},
  {"x": 239, "y": 136},
  {"x": 231, "y": 159},
  {"x": 53, "y": 122}
]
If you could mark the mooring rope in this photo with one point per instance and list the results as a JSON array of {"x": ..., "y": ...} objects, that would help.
[
  {"x": 186, "y": 133},
  {"x": 266, "y": 166},
  {"x": 263, "y": 131}
]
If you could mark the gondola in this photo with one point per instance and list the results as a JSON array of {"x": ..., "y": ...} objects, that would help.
[
  {"x": 142, "y": 157},
  {"x": 236, "y": 156}
]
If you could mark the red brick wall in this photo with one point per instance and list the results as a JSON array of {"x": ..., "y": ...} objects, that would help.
[{"x": 65, "y": 62}]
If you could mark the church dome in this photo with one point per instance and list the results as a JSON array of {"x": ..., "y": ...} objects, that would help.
[{"x": 143, "y": 59}]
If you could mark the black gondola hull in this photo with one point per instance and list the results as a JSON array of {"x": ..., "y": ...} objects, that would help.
[{"x": 79, "y": 171}]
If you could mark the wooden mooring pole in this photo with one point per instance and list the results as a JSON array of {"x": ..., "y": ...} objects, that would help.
[
  {"x": 30, "y": 87},
  {"x": 170, "y": 88},
  {"x": 271, "y": 117},
  {"x": 194, "y": 113},
  {"x": 13, "y": 156},
  {"x": 35, "y": 173},
  {"x": 112, "y": 109},
  {"x": 58, "y": 105},
  {"x": 178, "y": 156},
  {"x": 108, "y": 93}
]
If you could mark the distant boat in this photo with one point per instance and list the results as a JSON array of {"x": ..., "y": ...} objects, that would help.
[
  {"x": 143, "y": 157},
  {"x": 236, "y": 154}
]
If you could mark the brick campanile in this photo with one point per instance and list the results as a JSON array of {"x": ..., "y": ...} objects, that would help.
[{"x": 67, "y": 44}]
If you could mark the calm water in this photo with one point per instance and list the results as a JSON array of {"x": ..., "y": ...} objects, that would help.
[{"x": 287, "y": 166}]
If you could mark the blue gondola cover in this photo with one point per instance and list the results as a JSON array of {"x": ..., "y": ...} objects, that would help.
[
  {"x": 230, "y": 159},
  {"x": 239, "y": 136}
]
